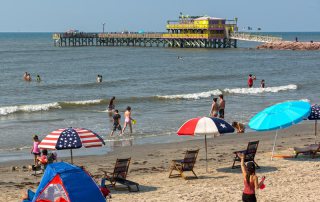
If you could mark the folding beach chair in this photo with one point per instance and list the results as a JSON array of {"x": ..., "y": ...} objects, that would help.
[
  {"x": 311, "y": 150},
  {"x": 249, "y": 153},
  {"x": 119, "y": 175},
  {"x": 186, "y": 164}
]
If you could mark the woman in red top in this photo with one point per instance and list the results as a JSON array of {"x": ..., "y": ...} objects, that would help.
[
  {"x": 250, "y": 81},
  {"x": 250, "y": 180}
]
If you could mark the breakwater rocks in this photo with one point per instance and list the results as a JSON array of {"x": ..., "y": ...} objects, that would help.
[{"x": 290, "y": 45}]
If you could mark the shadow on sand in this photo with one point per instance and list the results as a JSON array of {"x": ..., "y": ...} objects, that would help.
[
  {"x": 262, "y": 169},
  {"x": 121, "y": 189},
  {"x": 305, "y": 158}
]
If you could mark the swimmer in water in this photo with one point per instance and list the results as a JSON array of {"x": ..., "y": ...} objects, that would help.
[
  {"x": 250, "y": 81},
  {"x": 262, "y": 84},
  {"x": 28, "y": 77},
  {"x": 25, "y": 76},
  {"x": 111, "y": 105},
  {"x": 99, "y": 78},
  {"x": 38, "y": 78},
  {"x": 127, "y": 120}
]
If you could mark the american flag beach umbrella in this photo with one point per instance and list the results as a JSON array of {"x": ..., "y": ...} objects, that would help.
[
  {"x": 315, "y": 115},
  {"x": 205, "y": 126},
  {"x": 71, "y": 138}
]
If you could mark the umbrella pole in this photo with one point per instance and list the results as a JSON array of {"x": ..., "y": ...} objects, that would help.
[
  {"x": 274, "y": 144},
  {"x": 205, "y": 142},
  {"x": 71, "y": 156},
  {"x": 315, "y": 132}
]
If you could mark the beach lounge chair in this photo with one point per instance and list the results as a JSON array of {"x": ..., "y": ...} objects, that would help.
[
  {"x": 249, "y": 153},
  {"x": 119, "y": 175},
  {"x": 311, "y": 150},
  {"x": 186, "y": 164}
]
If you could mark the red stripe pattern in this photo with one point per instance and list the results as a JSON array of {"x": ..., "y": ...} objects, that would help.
[{"x": 71, "y": 138}]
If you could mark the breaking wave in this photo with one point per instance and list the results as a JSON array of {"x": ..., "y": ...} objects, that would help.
[
  {"x": 44, "y": 107},
  {"x": 260, "y": 90},
  {"x": 28, "y": 108},
  {"x": 230, "y": 91},
  {"x": 195, "y": 96}
]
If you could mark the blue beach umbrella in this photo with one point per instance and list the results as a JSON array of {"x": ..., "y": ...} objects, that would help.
[
  {"x": 315, "y": 115},
  {"x": 280, "y": 116}
]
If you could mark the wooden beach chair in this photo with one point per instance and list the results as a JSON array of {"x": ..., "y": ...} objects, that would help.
[
  {"x": 311, "y": 150},
  {"x": 249, "y": 153},
  {"x": 186, "y": 164},
  {"x": 119, "y": 175}
]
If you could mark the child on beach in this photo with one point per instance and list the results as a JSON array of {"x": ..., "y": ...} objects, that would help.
[
  {"x": 250, "y": 180},
  {"x": 238, "y": 126},
  {"x": 116, "y": 122},
  {"x": 43, "y": 159},
  {"x": 35, "y": 148},
  {"x": 128, "y": 120}
]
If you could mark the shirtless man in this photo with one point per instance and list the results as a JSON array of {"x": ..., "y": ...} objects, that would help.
[
  {"x": 127, "y": 119},
  {"x": 214, "y": 108},
  {"x": 222, "y": 105}
]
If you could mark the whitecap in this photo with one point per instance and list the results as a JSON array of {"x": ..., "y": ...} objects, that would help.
[{"x": 274, "y": 89}]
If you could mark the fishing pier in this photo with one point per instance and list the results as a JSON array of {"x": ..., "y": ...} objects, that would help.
[{"x": 186, "y": 32}]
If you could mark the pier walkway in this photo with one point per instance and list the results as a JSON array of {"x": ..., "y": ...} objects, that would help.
[
  {"x": 154, "y": 39},
  {"x": 254, "y": 37}
]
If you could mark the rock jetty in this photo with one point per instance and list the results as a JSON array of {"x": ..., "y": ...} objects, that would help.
[{"x": 290, "y": 45}]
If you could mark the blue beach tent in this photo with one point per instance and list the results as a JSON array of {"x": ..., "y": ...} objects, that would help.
[{"x": 63, "y": 182}]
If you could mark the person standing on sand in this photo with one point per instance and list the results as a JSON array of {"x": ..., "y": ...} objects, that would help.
[
  {"x": 250, "y": 81},
  {"x": 116, "y": 122},
  {"x": 214, "y": 108},
  {"x": 222, "y": 105},
  {"x": 35, "y": 149},
  {"x": 127, "y": 120},
  {"x": 250, "y": 180}
]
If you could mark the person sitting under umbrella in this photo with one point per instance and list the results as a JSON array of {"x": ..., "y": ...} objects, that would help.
[{"x": 240, "y": 127}]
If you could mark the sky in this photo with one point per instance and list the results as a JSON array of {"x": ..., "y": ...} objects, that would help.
[{"x": 152, "y": 15}]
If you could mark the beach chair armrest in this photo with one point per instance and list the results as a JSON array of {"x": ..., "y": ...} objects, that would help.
[
  {"x": 180, "y": 161},
  {"x": 243, "y": 151}
]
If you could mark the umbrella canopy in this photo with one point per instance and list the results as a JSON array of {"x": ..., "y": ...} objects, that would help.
[
  {"x": 315, "y": 112},
  {"x": 280, "y": 116},
  {"x": 315, "y": 115},
  {"x": 205, "y": 126},
  {"x": 71, "y": 138}
]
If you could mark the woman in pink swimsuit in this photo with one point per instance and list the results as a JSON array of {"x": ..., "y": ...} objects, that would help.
[
  {"x": 127, "y": 120},
  {"x": 250, "y": 180},
  {"x": 35, "y": 149}
]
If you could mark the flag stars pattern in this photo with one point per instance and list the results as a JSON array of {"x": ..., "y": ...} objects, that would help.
[
  {"x": 315, "y": 111},
  {"x": 69, "y": 139}
]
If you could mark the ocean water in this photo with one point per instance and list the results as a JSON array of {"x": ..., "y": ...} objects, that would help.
[{"x": 162, "y": 90}]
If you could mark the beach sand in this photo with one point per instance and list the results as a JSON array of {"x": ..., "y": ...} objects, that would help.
[{"x": 286, "y": 179}]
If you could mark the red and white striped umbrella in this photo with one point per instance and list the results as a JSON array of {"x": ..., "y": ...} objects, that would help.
[{"x": 71, "y": 138}]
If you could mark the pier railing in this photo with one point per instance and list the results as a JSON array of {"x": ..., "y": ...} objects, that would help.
[
  {"x": 254, "y": 37},
  {"x": 131, "y": 35}
]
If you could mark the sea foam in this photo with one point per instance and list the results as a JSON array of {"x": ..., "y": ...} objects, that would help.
[
  {"x": 216, "y": 92},
  {"x": 195, "y": 96},
  {"x": 274, "y": 89},
  {"x": 28, "y": 108}
]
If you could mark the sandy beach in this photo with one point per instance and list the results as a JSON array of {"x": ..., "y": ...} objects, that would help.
[{"x": 286, "y": 179}]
